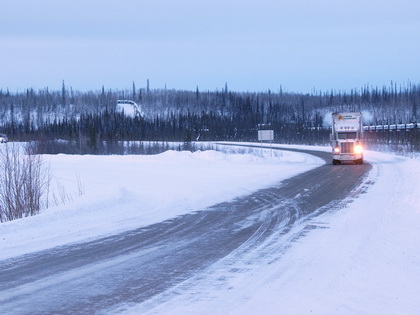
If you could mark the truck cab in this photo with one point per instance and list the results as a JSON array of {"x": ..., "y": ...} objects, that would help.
[{"x": 346, "y": 138}]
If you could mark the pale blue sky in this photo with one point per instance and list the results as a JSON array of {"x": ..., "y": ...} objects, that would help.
[{"x": 252, "y": 45}]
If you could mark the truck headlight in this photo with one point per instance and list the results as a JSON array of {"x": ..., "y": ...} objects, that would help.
[
  {"x": 358, "y": 149},
  {"x": 336, "y": 149}
]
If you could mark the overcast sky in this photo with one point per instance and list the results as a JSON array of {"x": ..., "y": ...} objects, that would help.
[{"x": 250, "y": 45}]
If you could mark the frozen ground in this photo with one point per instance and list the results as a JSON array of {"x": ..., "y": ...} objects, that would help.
[{"x": 366, "y": 259}]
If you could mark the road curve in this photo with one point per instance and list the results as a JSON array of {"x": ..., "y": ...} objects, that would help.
[{"x": 134, "y": 266}]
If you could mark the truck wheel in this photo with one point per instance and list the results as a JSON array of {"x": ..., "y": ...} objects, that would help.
[{"x": 335, "y": 162}]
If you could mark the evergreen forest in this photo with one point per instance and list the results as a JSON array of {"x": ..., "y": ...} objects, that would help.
[{"x": 91, "y": 118}]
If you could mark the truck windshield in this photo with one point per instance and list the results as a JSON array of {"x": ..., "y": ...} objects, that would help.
[{"x": 347, "y": 135}]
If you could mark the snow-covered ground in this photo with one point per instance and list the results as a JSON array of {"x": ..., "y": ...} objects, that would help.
[
  {"x": 119, "y": 193},
  {"x": 366, "y": 259}
]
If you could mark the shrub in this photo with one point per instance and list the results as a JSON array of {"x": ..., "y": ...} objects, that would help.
[{"x": 24, "y": 182}]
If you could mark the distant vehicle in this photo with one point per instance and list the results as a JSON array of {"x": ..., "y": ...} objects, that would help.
[
  {"x": 3, "y": 138},
  {"x": 346, "y": 138}
]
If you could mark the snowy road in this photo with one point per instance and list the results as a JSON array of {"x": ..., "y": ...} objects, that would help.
[{"x": 138, "y": 266}]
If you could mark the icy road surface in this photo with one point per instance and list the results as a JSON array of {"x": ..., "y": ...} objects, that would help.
[{"x": 151, "y": 263}]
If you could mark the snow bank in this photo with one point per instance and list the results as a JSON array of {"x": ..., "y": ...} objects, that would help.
[{"x": 127, "y": 192}]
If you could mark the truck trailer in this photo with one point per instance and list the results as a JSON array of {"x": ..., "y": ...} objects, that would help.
[{"x": 346, "y": 138}]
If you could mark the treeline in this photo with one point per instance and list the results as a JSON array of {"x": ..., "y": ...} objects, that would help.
[
  {"x": 89, "y": 118},
  {"x": 116, "y": 126},
  {"x": 388, "y": 104}
]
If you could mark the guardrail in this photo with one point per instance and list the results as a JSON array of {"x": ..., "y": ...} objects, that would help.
[{"x": 393, "y": 127}]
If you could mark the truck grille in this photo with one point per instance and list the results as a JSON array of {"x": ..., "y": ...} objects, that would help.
[{"x": 347, "y": 147}]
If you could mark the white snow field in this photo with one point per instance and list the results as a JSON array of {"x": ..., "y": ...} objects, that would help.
[{"x": 365, "y": 259}]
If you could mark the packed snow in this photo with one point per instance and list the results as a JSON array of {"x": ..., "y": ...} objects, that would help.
[{"x": 364, "y": 260}]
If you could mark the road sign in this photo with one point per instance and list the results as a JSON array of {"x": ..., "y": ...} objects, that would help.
[{"x": 265, "y": 135}]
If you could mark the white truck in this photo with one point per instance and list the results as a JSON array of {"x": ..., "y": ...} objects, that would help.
[{"x": 346, "y": 138}]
